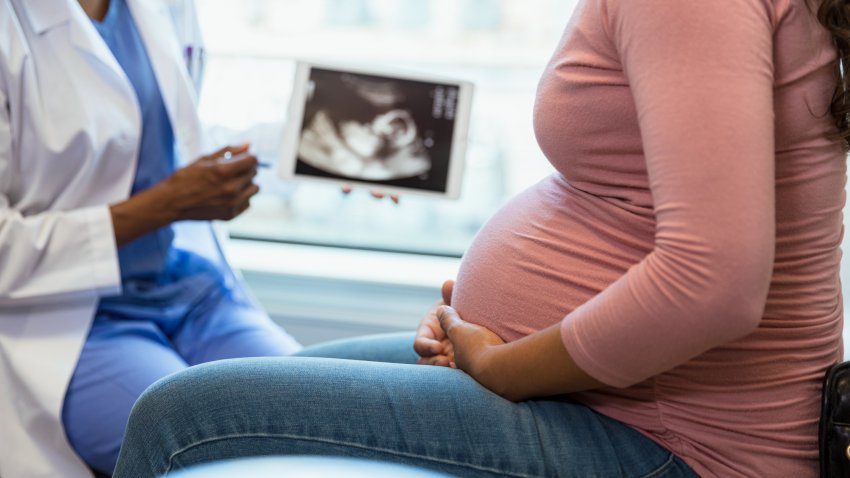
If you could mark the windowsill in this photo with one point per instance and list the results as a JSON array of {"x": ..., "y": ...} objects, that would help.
[
  {"x": 324, "y": 293},
  {"x": 317, "y": 262}
]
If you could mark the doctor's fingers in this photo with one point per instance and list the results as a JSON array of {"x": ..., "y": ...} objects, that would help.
[
  {"x": 226, "y": 207},
  {"x": 242, "y": 204},
  {"x": 220, "y": 212},
  {"x": 234, "y": 191},
  {"x": 235, "y": 166},
  {"x": 234, "y": 186},
  {"x": 225, "y": 152}
]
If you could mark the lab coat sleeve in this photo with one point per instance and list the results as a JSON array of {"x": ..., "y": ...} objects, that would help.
[{"x": 55, "y": 255}]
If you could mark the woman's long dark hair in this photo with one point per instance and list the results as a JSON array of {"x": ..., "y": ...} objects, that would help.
[{"x": 835, "y": 16}]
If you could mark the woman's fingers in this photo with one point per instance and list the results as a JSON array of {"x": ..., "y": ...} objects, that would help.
[
  {"x": 449, "y": 320},
  {"x": 448, "y": 348},
  {"x": 444, "y": 358},
  {"x": 447, "y": 289},
  {"x": 424, "y": 345},
  {"x": 429, "y": 336},
  {"x": 431, "y": 342},
  {"x": 437, "y": 360}
]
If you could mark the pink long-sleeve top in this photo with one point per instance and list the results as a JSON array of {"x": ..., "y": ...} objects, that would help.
[{"x": 689, "y": 241}]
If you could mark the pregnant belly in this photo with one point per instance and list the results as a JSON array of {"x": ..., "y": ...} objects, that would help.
[{"x": 546, "y": 252}]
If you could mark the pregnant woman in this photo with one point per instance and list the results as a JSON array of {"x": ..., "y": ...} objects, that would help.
[{"x": 665, "y": 304}]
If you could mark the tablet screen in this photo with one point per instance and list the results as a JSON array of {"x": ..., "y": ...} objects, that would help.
[{"x": 397, "y": 132}]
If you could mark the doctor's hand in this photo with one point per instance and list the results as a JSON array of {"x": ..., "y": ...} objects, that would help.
[
  {"x": 217, "y": 186},
  {"x": 431, "y": 343},
  {"x": 346, "y": 189}
]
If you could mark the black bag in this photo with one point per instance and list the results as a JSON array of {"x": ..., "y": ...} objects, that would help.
[{"x": 834, "y": 427}]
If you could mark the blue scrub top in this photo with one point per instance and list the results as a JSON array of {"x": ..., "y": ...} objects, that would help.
[
  {"x": 145, "y": 258},
  {"x": 160, "y": 283}
]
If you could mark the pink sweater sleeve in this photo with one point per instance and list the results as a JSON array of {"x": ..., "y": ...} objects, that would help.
[{"x": 701, "y": 74}]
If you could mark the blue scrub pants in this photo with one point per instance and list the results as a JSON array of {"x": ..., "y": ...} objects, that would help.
[
  {"x": 431, "y": 417},
  {"x": 146, "y": 335}
]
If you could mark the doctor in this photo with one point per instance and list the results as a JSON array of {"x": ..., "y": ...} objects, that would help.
[{"x": 101, "y": 293}]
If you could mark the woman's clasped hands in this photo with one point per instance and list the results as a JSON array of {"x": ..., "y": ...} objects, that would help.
[{"x": 445, "y": 339}]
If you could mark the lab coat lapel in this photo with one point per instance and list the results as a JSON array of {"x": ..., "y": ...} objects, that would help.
[
  {"x": 45, "y": 15},
  {"x": 171, "y": 74}
]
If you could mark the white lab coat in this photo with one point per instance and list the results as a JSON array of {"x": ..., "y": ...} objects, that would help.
[{"x": 69, "y": 134}]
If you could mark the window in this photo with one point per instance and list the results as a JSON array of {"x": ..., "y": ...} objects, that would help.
[{"x": 502, "y": 46}]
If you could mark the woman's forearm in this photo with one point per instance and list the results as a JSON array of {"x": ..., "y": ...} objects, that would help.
[{"x": 537, "y": 365}]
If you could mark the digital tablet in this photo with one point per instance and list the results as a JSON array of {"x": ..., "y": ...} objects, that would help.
[{"x": 396, "y": 132}]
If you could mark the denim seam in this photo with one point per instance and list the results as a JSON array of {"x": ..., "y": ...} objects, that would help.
[
  {"x": 661, "y": 469},
  {"x": 334, "y": 442},
  {"x": 539, "y": 437}
]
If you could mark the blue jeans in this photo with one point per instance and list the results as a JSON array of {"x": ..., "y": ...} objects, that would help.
[{"x": 431, "y": 417}]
